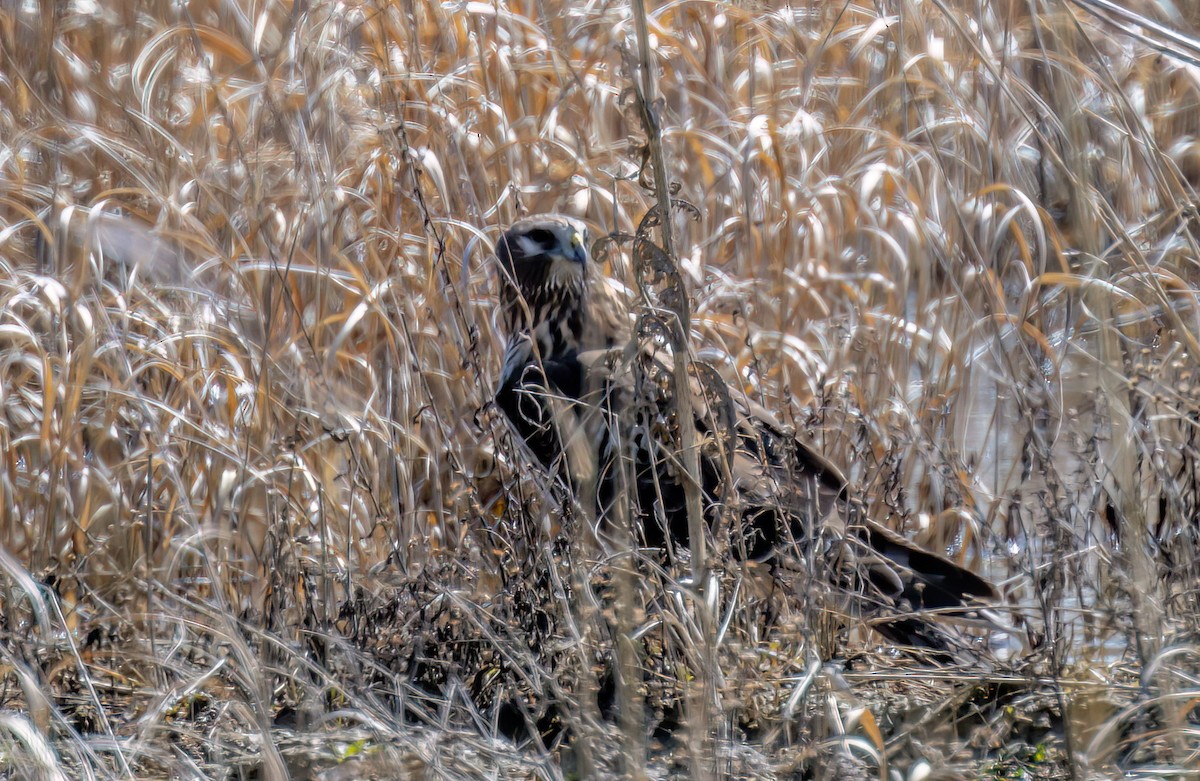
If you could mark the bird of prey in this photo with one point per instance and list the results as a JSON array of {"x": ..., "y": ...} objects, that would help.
[{"x": 568, "y": 331}]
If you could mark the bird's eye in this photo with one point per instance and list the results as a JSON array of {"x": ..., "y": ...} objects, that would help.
[{"x": 543, "y": 236}]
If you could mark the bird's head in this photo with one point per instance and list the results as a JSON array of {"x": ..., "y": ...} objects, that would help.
[{"x": 543, "y": 265}]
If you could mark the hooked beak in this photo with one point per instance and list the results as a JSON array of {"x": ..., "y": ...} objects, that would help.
[{"x": 578, "y": 248}]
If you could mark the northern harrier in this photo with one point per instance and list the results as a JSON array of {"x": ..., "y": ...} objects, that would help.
[{"x": 564, "y": 324}]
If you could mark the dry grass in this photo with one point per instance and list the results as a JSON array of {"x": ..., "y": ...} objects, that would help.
[{"x": 258, "y": 518}]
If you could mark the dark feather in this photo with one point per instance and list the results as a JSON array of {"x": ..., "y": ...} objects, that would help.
[{"x": 775, "y": 492}]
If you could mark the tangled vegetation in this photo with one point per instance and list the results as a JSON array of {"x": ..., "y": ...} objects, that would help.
[{"x": 259, "y": 518}]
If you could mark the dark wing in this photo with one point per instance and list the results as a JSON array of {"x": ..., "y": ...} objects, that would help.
[
  {"x": 535, "y": 395},
  {"x": 771, "y": 488},
  {"x": 895, "y": 567}
]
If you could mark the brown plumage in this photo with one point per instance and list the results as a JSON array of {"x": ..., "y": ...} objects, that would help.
[
  {"x": 567, "y": 332},
  {"x": 549, "y": 292}
]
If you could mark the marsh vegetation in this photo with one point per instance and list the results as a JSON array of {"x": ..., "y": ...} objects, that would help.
[{"x": 259, "y": 518}]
